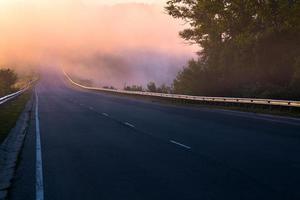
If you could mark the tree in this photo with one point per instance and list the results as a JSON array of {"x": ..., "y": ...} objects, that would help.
[
  {"x": 249, "y": 46},
  {"x": 7, "y": 79},
  {"x": 164, "y": 89},
  {"x": 136, "y": 88},
  {"x": 151, "y": 87}
]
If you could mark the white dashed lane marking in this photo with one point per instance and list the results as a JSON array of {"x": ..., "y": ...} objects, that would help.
[
  {"x": 105, "y": 114},
  {"x": 130, "y": 125},
  {"x": 179, "y": 144}
]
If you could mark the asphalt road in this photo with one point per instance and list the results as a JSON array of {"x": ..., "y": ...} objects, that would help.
[{"x": 100, "y": 146}]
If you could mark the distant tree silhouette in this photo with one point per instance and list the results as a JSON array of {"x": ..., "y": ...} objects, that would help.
[
  {"x": 151, "y": 87},
  {"x": 7, "y": 79},
  {"x": 136, "y": 88},
  {"x": 164, "y": 89}
]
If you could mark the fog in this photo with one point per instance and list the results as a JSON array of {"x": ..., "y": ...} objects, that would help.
[{"x": 118, "y": 44}]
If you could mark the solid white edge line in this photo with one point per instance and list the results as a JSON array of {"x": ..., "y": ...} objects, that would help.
[
  {"x": 128, "y": 124},
  {"x": 39, "y": 166},
  {"x": 105, "y": 114},
  {"x": 179, "y": 144}
]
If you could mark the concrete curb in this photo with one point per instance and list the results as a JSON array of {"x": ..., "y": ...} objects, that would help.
[{"x": 11, "y": 148}]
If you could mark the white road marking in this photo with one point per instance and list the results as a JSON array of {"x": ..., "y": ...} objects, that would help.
[
  {"x": 130, "y": 125},
  {"x": 91, "y": 108},
  {"x": 105, "y": 114},
  {"x": 39, "y": 166},
  {"x": 179, "y": 144}
]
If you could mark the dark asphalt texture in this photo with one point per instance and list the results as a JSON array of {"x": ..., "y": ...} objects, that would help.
[{"x": 89, "y": 152}]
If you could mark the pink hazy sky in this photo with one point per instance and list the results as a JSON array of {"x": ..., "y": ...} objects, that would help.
[
  {"x": 72, "y": 32},
  {"x": 86, "y": 2}
]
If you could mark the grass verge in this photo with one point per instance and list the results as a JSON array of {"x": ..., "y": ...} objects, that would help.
[{"x": 10, "y": 112}]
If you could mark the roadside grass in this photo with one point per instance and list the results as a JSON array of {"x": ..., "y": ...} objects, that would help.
[{"x": 10, "y": 112}]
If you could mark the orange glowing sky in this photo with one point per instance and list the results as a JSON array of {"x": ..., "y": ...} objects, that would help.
[
  {"x": 48, "y": 32},
  {"x": 107, "y": 2}
]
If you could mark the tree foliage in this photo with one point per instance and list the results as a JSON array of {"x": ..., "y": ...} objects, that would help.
[
  {"x": 163, "y": 88},
  {"x": 137, "y": 88},
  {"x": 7, "y": 79},
  {"x": 151, "y": 87},
  {"x": 249, "y": 47}
]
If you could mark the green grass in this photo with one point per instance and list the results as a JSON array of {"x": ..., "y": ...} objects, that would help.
[{"x": 10, "y": 112}]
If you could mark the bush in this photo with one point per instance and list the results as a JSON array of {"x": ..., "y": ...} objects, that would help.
[
  {"x": 151, "y": 87},
  {"x": 110, "y": 87},
  {"x": 7, "y": 80},
  {"x": 136, "y": 88}
]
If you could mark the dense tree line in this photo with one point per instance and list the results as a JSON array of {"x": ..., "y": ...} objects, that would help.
[
  {"x": 7, "y": 80},
  {"x": 248, "y": 47},
  {"x": 151, "y": 87}
]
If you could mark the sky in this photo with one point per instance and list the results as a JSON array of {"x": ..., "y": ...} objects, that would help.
[
  {"x": 107, "y": 2},
  {"x": 111, "y": 42},
  {"x": 160, "y": 2}
]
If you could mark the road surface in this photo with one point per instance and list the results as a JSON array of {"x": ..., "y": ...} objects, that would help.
[{"x": 100, "y": 146}]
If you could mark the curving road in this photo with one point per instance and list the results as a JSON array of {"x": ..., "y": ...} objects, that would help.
[{"x": 100, "y": 146}]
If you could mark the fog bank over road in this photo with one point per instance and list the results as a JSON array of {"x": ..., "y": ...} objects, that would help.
[{"x": 138, "y": 41}]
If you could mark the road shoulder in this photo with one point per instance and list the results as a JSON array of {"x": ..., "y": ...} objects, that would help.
[{"x": 11, "y": 147}]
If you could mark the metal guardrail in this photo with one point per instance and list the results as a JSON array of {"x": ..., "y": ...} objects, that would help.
[
  {"x": 272, "y": 102},
  {"x": 14, "y": 95}
]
